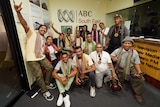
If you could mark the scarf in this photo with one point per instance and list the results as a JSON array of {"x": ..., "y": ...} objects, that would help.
[
  {"x": 54, "y": 47},
  {"x": 65, "y": 70},
  {"x": 38, "y": 46},
  {"x": 84, "y": 34},
  {"x": 69, "y": 40},
  {"x": 86, "y": 46},
  {"x": 76, "y": 41},
  {"x": 95, "y": 36},
  {"x": 127, "y": 64},
  {"x": 83, "y": 65}
]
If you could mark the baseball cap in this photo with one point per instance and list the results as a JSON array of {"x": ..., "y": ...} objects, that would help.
[{"x": 127, "y": 38}]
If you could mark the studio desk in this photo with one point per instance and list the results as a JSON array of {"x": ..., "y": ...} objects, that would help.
[{"x": 149, "y": 52}]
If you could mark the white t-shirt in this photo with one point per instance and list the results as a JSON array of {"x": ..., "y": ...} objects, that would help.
[
  {"x": 105, "y": 31},
  {"x": 105, "y": 59},
  {"x": 52, "y": 52}
]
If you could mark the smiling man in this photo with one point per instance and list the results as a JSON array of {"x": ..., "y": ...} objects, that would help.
[
  {"x": 128, "y": 67},
  {"x": 35, "y": 56}
]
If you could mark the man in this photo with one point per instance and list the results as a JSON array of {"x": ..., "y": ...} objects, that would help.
[
  {"x": 103, "y": 64},
  {"x": 103, "y": 34},
  {"x": 89, "y": 45},
  {"x": 68, "y": 40},
  {"x": 78, "y": 39},
  {"x": 60, "y": 40},
  {"x": 116, "y": 34},
  {"x": 86, "y": 68},
  {"x": 35, "y": 54},
  {"x": 64, "y": 73},
  {"x": 128, "y": 67}
]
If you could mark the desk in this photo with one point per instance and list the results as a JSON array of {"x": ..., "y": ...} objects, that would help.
[{"x": 149, "y": 52}]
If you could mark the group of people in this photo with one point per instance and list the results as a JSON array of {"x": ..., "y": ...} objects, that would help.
[{"x": 86, "y": 58}]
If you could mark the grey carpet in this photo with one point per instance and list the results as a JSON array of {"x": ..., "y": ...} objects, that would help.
[{"x": 104, "y": 98}]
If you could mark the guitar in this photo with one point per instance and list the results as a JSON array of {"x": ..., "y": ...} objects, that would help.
[{"x": 115, "y": 84}]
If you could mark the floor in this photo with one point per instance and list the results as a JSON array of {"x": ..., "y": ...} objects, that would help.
[{"x": 80, "y": 98}]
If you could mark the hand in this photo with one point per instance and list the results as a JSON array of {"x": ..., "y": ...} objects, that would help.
[
  {"x": 78, "y": 81},
  {"x": 47, "y": 51},
  {"x": 115, "y": 59},
  {"x": 60, "y": 49},
  {"x": 85, "y": 49},
  {"x": 138, "y": 75},
  {"x": 17, "y": 8},
  {"x": 114, "y": 76},
  {"x": 64, "y": 80},
  {"x": 51, "y": 24}
]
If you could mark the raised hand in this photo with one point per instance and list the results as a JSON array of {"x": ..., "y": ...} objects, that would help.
[
  {"x": 17, "y": 8},
  {"x": 51, "y": 24}
]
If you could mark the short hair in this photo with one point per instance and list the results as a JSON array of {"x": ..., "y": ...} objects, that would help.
[
  {"x": 68, "y": 29},
  {"x": 41, "y": 26},
  {"x": 101, "y": 23},
  {"x": 78, "y": 47},
  {"x": 48, "y": 37},
  {"x": 89, "y": 33},
  {"x": 64, "y": 52},
  {"x": 98, "y": 44}
]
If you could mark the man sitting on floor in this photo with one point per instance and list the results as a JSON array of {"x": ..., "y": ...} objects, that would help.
[{"x": 64, "y": 73}]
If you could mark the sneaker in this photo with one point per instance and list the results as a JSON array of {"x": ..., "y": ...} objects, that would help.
[
  {"x": 92, "y": 91},
  {"x": 47, "y": 95},
  {"x": 60, "y": 100},
  {"x": 51, "y": 86},
  {"x": 67, "y": 102}
]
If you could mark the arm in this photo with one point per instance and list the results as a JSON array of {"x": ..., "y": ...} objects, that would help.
[
  {"x": 112, "y": 69},
  {"x": 114, "y": 58},
  {"x": 137, "y": 66},
  {"x": 107, "y": 40},
  {"x": 51, "y": 24},
  {"x": 55, "y": 75},
  {"x": 18, "y": 8},
  {"x": 91, "y": 69},
  {"x": 139, "y": 72},
  {"x": 73, "y": 73}
]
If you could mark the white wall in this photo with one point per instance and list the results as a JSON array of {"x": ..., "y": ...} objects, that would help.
[
  {"x": 115, "y": 5},
  {"x": 97, "y": 7}
]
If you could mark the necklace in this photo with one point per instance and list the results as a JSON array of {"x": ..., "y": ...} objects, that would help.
[
  {"x": 99, "y": 58},
  {"x": 116, "y": 31}
]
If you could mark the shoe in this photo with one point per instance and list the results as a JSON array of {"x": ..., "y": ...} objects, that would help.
[
  {"x": 51, "y": 86},
  {"x": 92, "y": 91},
  {"x": 67, "y": 102},
  {"x": 60, "y": 100},
  {"x": 47, "y": 95},
  {"x": 138, "y": 98}
]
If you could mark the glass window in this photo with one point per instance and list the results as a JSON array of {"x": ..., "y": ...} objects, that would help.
[
  {"x": 145, "y": 19},
  {"x": 10, "y": 85}
]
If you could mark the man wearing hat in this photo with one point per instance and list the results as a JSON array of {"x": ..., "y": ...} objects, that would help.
[
  {"x": 128, "y": 67},
  {"x": 116, "y": 33}
]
